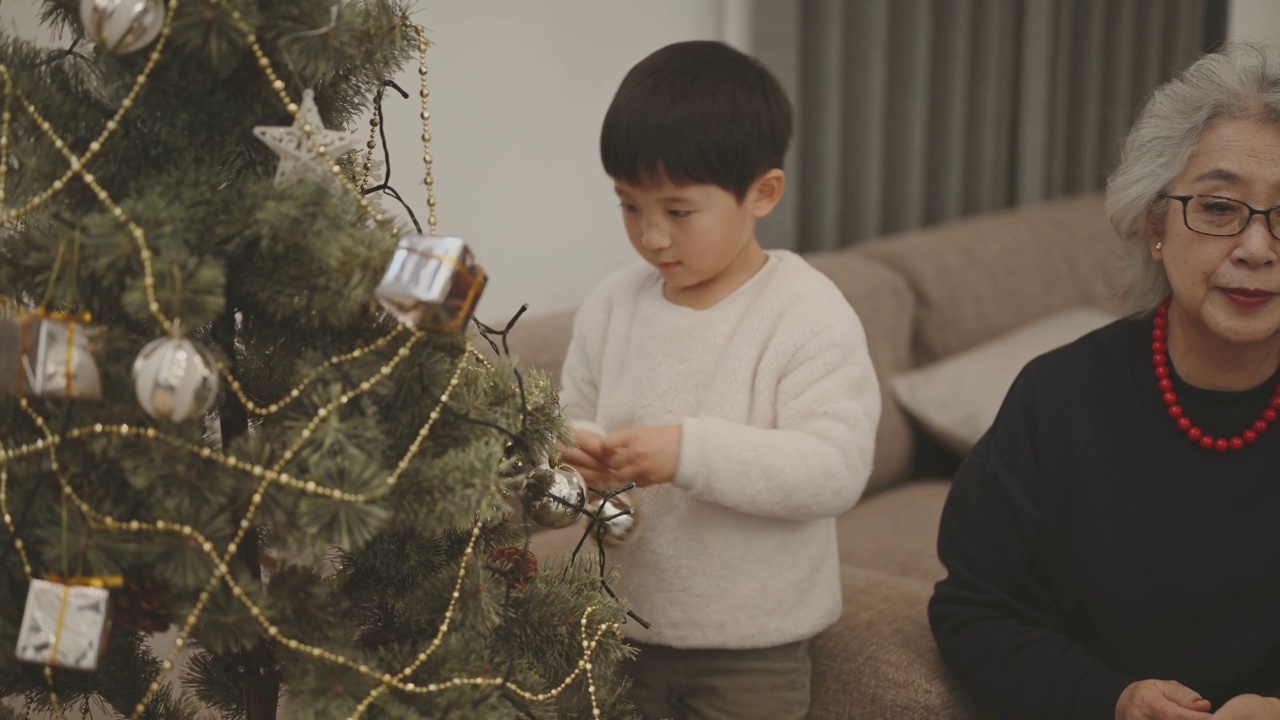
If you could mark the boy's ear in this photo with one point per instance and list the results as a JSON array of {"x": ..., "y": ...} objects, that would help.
[{"x": 767, "y": 192}]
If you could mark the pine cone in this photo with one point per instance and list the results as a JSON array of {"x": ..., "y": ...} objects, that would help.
[
  {"x": 519, "y": 566},
  {"x": 143, "y": 603}
]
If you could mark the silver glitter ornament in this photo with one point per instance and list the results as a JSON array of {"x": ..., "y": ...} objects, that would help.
[
  {"x": 122, "y": 26},
  {"x": 299, "y": 157},
  {"x": 513, "y": 470},
  {"x": 618, "y": 518},
  {"x": 555, "y": 498},
  {"x": 514, "y": 464},
  {"x": 175, "y": 379}
]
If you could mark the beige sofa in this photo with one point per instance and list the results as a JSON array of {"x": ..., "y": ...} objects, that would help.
[{"x": 922, "y": 296}]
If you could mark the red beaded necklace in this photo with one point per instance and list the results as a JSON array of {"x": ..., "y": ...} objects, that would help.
[{"x": 1160, "y": 358}]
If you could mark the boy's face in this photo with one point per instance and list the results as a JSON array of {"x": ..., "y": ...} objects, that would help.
[{"x": 699, "y": 237}]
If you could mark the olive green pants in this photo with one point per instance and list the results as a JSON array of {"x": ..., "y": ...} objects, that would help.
[{"x": 766, "y": 683}]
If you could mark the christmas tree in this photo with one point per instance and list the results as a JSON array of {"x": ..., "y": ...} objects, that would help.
[{"x": 240, "y": 400}]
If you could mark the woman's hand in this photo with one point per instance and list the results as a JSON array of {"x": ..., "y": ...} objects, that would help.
[
  {"x": 1161, "y": 700},
  {"x": 1250, "y": 707}
]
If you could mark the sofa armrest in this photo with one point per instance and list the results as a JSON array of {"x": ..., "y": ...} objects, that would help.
[{"x": 879, "y": 660}]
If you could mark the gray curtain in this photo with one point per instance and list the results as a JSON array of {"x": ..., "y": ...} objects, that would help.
[{"x": 913, "y": 112}]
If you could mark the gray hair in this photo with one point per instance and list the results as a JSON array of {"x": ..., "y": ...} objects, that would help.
[{"x": 1240, "y": 80}]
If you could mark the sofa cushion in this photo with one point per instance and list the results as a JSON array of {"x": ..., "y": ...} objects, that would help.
[
  {"x": 541, "y": 341},
  {"x": 896, "y": 531},
  {"x": 956, "y": 399},
  {"x": 879, "y": 660},
  {"x": 885, "y": 306},
  {"x": 977, "y": 278}
]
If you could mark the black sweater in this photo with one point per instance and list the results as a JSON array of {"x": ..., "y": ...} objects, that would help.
[{"x": 1090, "y": 544}]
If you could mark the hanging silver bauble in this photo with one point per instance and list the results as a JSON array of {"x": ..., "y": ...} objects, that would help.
[
  {"x": 514, "y": 464},
  {"x": 618, "y": 518},
  {"x": 554, "y": 498},
  {"x": 122, "y": 26},
  {"x": 175, "y": 379}
]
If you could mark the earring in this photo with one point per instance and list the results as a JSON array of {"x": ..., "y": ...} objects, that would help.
[{"x": 1159, "y": 246}]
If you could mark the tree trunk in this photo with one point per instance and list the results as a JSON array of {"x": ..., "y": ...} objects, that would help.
[
  {"x": 261, "y": 684},
  {"x": 261, "y": 692}
]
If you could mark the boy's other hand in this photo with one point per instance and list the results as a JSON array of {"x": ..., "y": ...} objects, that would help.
[
  {"x": 588, "y": 458},
  {"x": 644, "y": 455}
]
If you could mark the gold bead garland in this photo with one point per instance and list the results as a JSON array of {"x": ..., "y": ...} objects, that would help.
[
  {"x": 424, "y": 94},
  {"x": 112, "y": 125},
  {"x": 5, "y": 118},
  {"x": 221, "y": 573},
  {"x": 386, "y": 680},
  {"x": 371, "y": 146},
  {"x": 153, "y": 304},
  {"x": 365, "y": 386},
  {"x": 268, "y": 475},
  {"x": 296, "y": 392},
  {"x": 77, "y": 168},
  {"x": 479, "y": 356},
  {"x": 9, "y": 524},
  {"x": 440, "y": 632},
  {"x": 291, "y": 107}
]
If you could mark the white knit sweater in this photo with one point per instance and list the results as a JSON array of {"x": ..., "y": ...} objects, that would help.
[{"x": 778, "y": 405}]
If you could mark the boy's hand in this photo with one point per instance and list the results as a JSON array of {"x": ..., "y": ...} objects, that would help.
[
  {"x": 644, "y": 455},
  {"x": 588, "y": 457}
]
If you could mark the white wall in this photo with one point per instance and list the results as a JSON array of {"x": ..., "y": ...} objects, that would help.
[
  {"x": 1254, "y": 19},
  {"x": 518, "y": 90},
  {"x": 22, "y": 18}
]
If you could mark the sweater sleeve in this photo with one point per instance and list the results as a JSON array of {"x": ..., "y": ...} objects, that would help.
[
  {"x": 580, "y": 376},
  {"x": 994, "y": 617},
  {"x": 816, "y": 462}
]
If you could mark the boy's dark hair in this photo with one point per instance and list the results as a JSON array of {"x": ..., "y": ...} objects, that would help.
[{"x": 696, "y": 112}]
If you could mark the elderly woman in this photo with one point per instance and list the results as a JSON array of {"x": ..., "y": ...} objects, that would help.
[{"x": 1113, "y": 542}]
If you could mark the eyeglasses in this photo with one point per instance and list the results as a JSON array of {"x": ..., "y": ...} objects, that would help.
[{"x": 1222, "y": 216}]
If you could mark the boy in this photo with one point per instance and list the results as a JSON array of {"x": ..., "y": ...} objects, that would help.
[{"x": 731, "y": 384}]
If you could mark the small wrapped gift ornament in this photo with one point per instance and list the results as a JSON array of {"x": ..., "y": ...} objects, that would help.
[
  {"x": 65, "y": 624},
  {"x": 51, "y": 356},
  {"x": 432, "y": 283}
]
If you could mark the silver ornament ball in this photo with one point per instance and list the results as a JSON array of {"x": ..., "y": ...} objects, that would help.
[
  {"x": 122, "y": 26},
  {"x": 175, "y": 379},
  {"x": 555, "y": 498},
  {"x": 618, "y": 517}
]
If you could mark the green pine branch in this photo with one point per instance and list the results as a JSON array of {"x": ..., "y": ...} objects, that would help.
[{"x": 273, "y": 281}]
